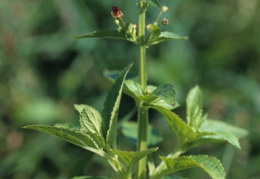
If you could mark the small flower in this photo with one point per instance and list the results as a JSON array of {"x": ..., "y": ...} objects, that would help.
[
  {"x": 116, "y": 13},
  {"x": 148, "y": 27},
  {"x": 148, "y": 91},
  {"x": 117, "y": 22},
  {"x": 164, "y": 8},
  {"x": 165, "y": 21}
]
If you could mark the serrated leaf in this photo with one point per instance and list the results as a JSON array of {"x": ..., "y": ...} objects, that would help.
[
  {"x": 153, "y": 35},
  {"x": 89, "y": 141},
  {"x": 217, "y": 126},
  {"x": 187, "y": 137},
  {"x": 194, "y": 108},
  {"x": 223, "y": 131},
  {"x": 166, "y": 36},
  {"x": 90, "y": 120},
  {"x": 210, "y": 165},
  {"x": 90, "y": 177},
  {"x": 111, "y": 108},
  {"x": 115, "y": 34},
  {"x": 129, "y": 130},
  {"x": 174, "y": 177},
  {"x": 166, "y": 96},
  {"x": 134, "y": 90},
  {"x": 181, "y": 129},
  {"x": 229, "y": 137},
  {"x": 79, "y": 107},
  {"x": 131, "y": 157}
]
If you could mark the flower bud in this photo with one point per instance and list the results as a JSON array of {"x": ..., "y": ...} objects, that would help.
[
  {"x": 148, "y": 27},
  {"x": 116, "y": 13},
  {"x": 117, "y": 22},
  {"x": 165, "y": 21},
  {"x": 164, "y": 8},
  {"x": 148, "y": 91}
]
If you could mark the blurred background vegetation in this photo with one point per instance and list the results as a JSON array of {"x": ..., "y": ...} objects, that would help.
[{"x": 43, "y": 73}]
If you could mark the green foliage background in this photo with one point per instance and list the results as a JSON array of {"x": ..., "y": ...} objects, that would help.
[{"x": 43, "y": 73}]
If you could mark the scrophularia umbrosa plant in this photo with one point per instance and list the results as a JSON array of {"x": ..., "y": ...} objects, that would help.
[{"x": 98, "y": 131}]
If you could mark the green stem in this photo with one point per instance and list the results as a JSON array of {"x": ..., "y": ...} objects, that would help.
[
  {"x": 142, "y": 111},
  {"x": 142, "y": 54},
  {"x": 142, "y": 139}
]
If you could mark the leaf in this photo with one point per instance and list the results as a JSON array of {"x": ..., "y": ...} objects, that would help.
[
  {"x": 223, "y": 131},
  {"x": 79, "y": 107},
  {"x": 229, "y": 137},
  {"x": 187, "y": 137},
  {"x": 166, "y": 96},
  {"x": 211, "y": 165},
  {"x": 134, "y": 90},
  {"x": 90, "y": 177},
  {"x": 154, "y": 3},
  {"x": 218, "y": 126},
  {"x": 153, "y": 35},
  {"x": 166, "y": 36},
  {"x": 111, "y": 108},
  {"x": 115, "y": 34},
  {"x": 181, "y": 129},
  {"x": 90, "y": 120},
  {"x": 194, "y": 108},
  {"x": 174, "y": 177},
  {"x": 89, "y": 141},
  {"x": 131, "y": 157},
  {"x": 129, "y": 130}
]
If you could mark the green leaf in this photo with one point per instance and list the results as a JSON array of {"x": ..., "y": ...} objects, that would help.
[
  {"x": 165, "y": 36},
  {"x": 115, "y": 34},
  {"x": 129, "y": 130},
  {"x": 154, "y": 3},
  {"x": 218, "y": 126},
  {"x": 153, "y": 35},
  {"x": 90, "y": 120},
  {"x": 194, "y": 108},
  {"x": 89, "y": 177},
  {"x": 174, "y": 177},
  {"x": 131, "y": 157},
  {"x": 211, "y": 165},
  {"x": 229, "y": 137},
  {"x": 111, "y": 108},
  {"x": 187, "y": 137},
  {"x": 79, "y": 107},
  {"x": 166, "y": 96},
  {"x": 87, "y": 140},
  {"x": 223, "y": 131},
  {"x": 181, "y": 129},
  {"x": 134, "y": 90}
]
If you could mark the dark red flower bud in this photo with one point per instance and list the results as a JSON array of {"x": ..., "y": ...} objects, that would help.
[
  {"x": 115, "y": 9},
  {"x": 116, "y": 13}
]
